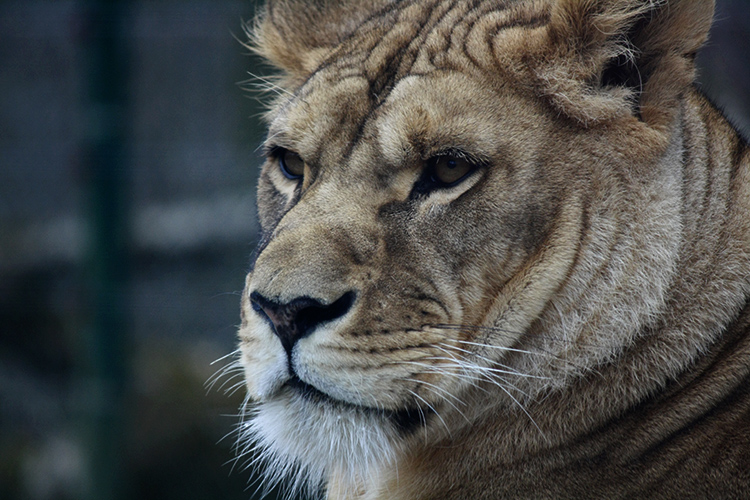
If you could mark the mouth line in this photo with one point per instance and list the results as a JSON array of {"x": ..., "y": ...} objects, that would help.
[
  {"x": 406, "y": 421},
  {"x": 313, "y": 393}
]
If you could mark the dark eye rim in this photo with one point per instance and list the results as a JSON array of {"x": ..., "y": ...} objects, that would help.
[
  {"x": 279, "y": 154},
  {"x": 428, "y": 182}
]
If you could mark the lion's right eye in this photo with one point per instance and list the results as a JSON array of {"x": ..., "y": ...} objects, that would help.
[
  {"x": 444, "y": 171},
  {"x": 291, "y": 164},
  {"x": 447, "y": 170}
]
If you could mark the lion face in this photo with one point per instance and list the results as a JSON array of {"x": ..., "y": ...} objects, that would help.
[
  {"x": 395, "y": 229},
  {"x": 391, "y": 238},
  {"x": 445, "y": 223}
]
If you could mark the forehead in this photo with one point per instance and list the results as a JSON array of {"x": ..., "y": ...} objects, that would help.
[{"x": 408, "y": 61}]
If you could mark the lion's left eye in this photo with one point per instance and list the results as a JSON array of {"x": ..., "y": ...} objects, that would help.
[
  {"x": 447, "y": 170},
  {"x": 291, "y": 164}
]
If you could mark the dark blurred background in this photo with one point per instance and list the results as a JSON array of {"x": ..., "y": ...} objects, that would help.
[{"x": 127, "y": 174}]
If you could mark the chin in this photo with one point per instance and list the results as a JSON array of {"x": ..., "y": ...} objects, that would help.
[{"x": 304, "y": 438}]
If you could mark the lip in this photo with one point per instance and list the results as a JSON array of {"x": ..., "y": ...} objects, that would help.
[{"x": 406, "y": 420}]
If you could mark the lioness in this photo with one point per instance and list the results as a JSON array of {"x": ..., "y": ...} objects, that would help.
[{"x": 505, "y": 254}]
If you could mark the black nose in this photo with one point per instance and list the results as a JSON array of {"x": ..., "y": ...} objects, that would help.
[{"x": 298, "y": 318}]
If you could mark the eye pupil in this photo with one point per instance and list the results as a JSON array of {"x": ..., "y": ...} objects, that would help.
[{"x": 291, "y": 165}]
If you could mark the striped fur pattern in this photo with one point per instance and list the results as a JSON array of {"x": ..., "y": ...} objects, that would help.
[{"x": 505, "y": 254}]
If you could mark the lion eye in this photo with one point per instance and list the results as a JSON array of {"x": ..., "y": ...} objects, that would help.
[
  {"x": 291, "y": 164},
  {"x": 449, "y": 170}
]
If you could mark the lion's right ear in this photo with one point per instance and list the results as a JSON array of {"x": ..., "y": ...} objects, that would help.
[{"x": 297, "y": 35}]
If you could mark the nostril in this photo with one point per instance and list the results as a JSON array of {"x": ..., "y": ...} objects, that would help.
[
  {"x": 312, "y": 315},
  {"x": 299, "y": 317}
]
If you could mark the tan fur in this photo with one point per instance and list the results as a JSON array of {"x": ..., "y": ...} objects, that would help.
[{"x": 572, "y": 320}]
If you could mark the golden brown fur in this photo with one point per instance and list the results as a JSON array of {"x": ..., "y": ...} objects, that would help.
[{"x": 569, "y": 319}]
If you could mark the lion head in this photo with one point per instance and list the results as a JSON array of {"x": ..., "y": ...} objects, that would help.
[{"x": 467, "y": 209}]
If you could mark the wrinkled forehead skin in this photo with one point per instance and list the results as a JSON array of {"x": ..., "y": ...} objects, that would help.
[{"x": 404, "y": 70}]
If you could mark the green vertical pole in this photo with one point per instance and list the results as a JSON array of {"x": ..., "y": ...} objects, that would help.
[{"x": 103, "y": 388}]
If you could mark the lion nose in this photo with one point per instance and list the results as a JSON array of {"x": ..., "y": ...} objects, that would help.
[{"x": 299, "y": 317}]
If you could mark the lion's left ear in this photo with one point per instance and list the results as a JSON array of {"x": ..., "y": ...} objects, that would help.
[{"x": 598, "y": 59}]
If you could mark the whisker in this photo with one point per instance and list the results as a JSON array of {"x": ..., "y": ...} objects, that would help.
[
  {"x": 474, "y": 374},
  {"x": 503, "y": 368},
  {"x": 503, "y": 332},
  {"x": 268, "y": 85},
  {"x": 524, "y": 410},
  {"x": 423, "y": 419},
  {"x": 489, "y": 361},
  {"x": 234, "y": 388},
  {"x": 507, "y": 333},
  {"x": 498, "y": 371},
  {"x": 435, "y": 390},
  {"x": 465, "y": 374},
  {"x": 538, "y": 352},
  {"x": 503, "y": 383},
  {"x": 236, "y": 352},
  {"x": 432, "y": 408},
  {"x": 228, "y": 372},
  {"x": 495, "y": 378},
  {"x": 470, "y": 374},
  {"x": 503, "y": 348}
]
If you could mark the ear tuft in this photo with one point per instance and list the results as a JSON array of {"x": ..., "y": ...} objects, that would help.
[
  {"x": 602, "y": 59},
  {"x": 297, "y": 35},
  {"x": 285, "y": 34},
  {"x": 591, "y": 28}
]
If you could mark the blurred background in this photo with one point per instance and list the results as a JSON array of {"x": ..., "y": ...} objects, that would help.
[{"x": 128, "y": 165}]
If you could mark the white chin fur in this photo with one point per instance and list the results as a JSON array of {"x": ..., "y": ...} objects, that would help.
[{"x": 308, "y": 441}]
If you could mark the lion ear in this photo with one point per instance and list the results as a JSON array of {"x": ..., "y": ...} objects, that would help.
[
  {"x": 297, "y": 35},
  {"x": 603, "y": 58}
]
